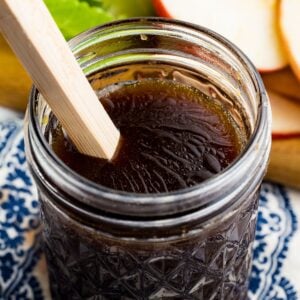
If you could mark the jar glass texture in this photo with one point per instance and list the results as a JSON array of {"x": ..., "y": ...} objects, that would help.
[{"x": 194, "y": 243}]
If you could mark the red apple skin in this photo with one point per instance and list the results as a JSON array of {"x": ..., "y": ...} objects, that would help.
[
  {"x": 162, "y": 11},
  {"x": 285, "y": 136}
]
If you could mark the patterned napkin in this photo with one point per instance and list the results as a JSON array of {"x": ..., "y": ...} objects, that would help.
[{"x": 23, "y": 273}]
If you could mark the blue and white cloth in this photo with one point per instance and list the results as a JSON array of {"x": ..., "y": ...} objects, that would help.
[{"x": 23, "y": 275}]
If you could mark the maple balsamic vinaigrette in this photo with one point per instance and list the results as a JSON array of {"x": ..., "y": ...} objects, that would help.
[
  {"x": 190, "y": 107},
  {"x": 173, "y": 137}
]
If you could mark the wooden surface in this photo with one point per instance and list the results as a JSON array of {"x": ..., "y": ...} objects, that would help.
[
  {"x": 46, "y": 56},
  {"x": 284, "y": 164}
]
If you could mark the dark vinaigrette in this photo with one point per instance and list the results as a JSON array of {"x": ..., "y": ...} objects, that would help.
[{"x": 173, "y": 137}]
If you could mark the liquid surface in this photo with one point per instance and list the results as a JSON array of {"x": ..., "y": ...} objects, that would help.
[{"x": 173, "y": 137}]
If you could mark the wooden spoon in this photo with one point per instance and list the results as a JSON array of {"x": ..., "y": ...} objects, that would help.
[{"x": 36, "y": 40}]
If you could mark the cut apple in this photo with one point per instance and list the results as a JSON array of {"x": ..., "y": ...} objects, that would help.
[
  {"x": 286, "y": 117},
  {"x": 283, "y": 82},
  {"x": 251, "y": 25},
  {"x": 289, "y": 25}
]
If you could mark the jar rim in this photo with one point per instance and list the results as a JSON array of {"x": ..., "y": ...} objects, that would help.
[{"x": 158, "y": 204}]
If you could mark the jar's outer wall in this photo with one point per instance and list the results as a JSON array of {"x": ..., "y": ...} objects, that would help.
[{"x": 218, "y": 193}]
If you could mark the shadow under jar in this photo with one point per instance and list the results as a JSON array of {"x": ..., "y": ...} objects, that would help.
[{"x": 192, "y": 243}]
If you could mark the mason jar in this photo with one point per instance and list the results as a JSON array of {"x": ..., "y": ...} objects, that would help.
[{"x": 194, "y": 243}]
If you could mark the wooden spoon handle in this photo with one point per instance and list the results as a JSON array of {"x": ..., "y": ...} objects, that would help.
[{"x": 35, "y": 38}]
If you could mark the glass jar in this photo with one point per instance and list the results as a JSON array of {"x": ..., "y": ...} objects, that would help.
[{"x": 194, "y": 243}]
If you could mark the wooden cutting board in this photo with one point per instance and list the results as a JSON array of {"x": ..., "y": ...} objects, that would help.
[
  {"x": 285, "y": 155},
  {"x": 284, "y": 164}
]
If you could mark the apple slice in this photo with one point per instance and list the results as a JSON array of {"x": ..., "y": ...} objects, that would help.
[
  {"x": 251, "y": 25},
  {"x": 283, "y": 82},
  {"x": 286, "y": 117},
  {"x": 289, "y": 25}
]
